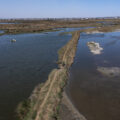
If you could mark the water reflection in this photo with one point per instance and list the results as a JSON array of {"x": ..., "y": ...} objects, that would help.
[{"x": 25, "y": 64}]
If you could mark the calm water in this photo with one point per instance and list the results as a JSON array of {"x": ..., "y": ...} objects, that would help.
[
  {"x": 1, "y": 31},
  {"x": 23, "y": 65},
  {"x": 95, "y": 95},
  {"x": 8, "y": 23},
  {"x": 73, "y": 29}
]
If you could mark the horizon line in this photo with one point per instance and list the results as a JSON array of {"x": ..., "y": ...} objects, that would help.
[{"x": 58, "y": 17}]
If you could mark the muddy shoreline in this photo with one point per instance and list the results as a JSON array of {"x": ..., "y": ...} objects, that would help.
[{"x": 68, "y": 110}]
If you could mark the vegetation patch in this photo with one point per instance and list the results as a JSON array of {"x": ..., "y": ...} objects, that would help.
[{"x": 23, "y": 109}]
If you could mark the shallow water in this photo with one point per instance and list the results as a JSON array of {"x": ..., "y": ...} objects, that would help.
[
  {"x": 24, "y": 64},
  {"x": 8, "y": 23},
  {"x": 73, "y": 29},
  {"x": 96, "y": 95},
  {"x": 1, "y": 31}
]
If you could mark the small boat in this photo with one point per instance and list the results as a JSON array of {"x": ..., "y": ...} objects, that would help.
[{"x": 13, "y": 40}]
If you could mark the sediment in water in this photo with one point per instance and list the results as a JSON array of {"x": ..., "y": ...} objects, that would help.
[
  {"x": 44, "y": 103},
  {"x": 68, "y": 110}
]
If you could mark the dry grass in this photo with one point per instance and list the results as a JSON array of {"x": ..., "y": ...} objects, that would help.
[
  {"x": 66, "y": 54},
  {"x": 31, "y": 26}
]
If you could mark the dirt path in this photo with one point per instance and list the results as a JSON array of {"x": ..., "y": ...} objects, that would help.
[
  {"x": 65, "y": 53},
  {"x": 49, "y": 92},
  {"x": 47, "y": 95},
  {"x": 68, "y": 47},
  {"x": 50, "y": 88}
]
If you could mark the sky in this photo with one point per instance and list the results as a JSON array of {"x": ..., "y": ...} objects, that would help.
[{"x": 58, "y": 8}]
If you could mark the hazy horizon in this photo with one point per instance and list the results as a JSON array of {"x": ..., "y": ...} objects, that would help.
[{"x": 59, "y": 8}]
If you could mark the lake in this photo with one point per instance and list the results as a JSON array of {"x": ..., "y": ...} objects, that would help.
[
  {"x": 94, "y": 82},
  {"x": 24, "y": 64}
]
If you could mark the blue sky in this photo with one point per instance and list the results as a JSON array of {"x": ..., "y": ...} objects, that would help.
[{"x": 58, "y": 8}]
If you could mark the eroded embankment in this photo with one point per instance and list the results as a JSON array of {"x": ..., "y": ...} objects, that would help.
[{"x": 44, "y": 103}]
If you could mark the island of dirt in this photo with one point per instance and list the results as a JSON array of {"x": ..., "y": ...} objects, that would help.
[{"x": 47, "y": 99}]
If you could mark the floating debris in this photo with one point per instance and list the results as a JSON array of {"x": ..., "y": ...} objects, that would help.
[
  {"x": 94, "y": 47},
  {"x": 13, "y": 40},
  {"x": 109, "y": 71}
]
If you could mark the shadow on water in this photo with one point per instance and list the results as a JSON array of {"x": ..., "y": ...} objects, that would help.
[{"x": 95, "y": 94}]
